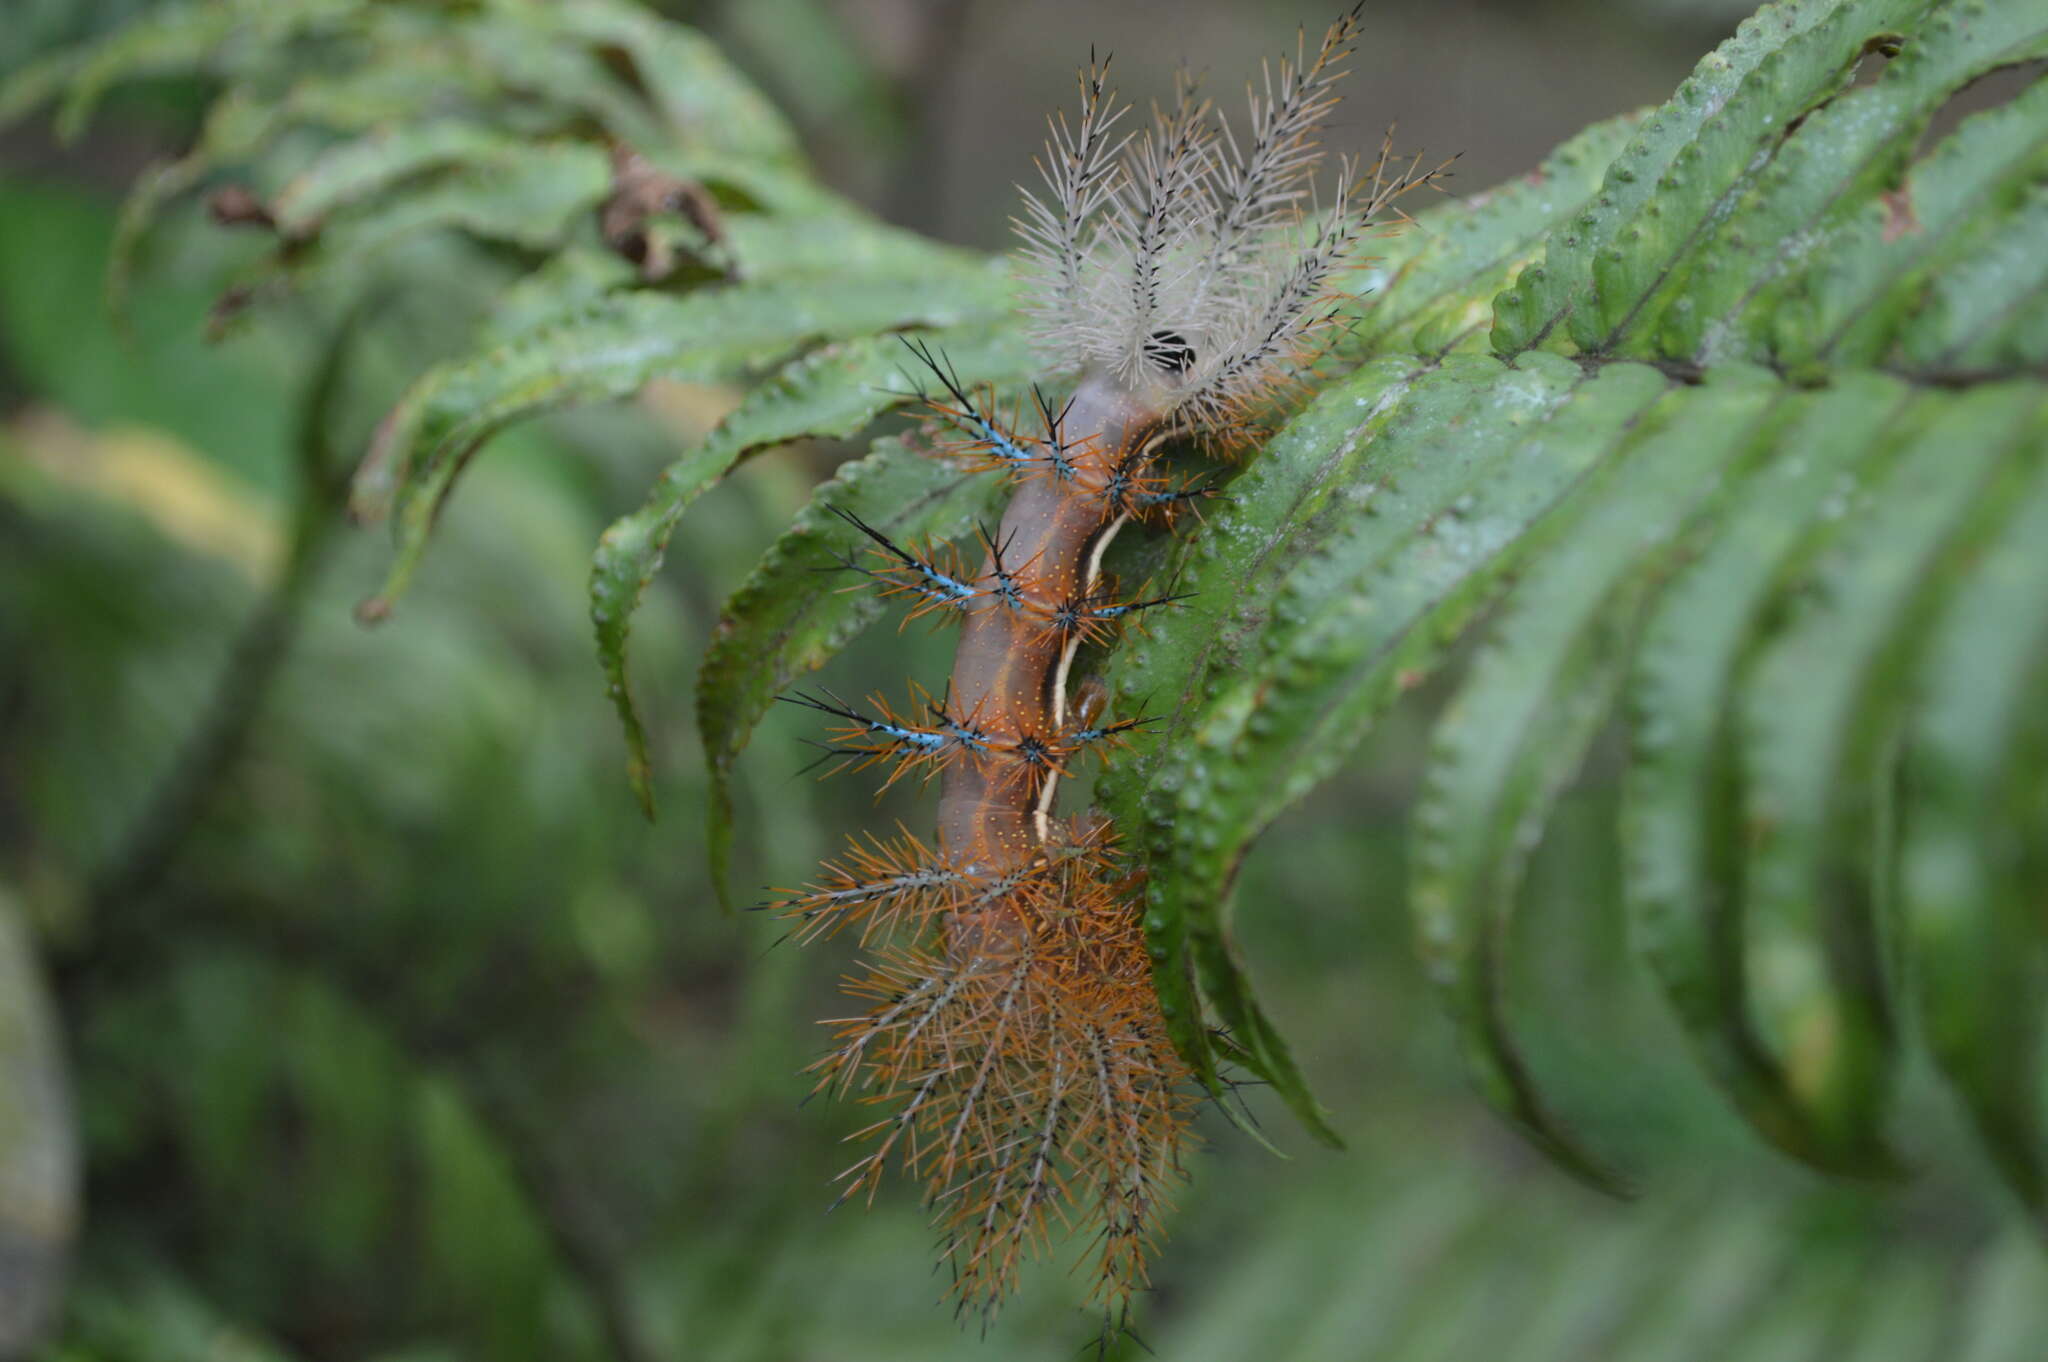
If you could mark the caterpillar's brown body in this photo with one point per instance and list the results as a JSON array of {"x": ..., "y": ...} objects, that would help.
[
  {"x": 1011, "y": 1032},
  {"x": 1009, "y": 670}
]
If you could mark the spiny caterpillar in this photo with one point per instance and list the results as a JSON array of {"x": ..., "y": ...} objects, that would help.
[{"x": 1011, "y": 1041}]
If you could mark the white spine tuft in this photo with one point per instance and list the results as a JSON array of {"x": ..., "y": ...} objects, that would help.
[{"x": 1181, "y": 260}]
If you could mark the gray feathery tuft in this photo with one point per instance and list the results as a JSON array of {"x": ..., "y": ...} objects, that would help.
[{"x": 1179, "y": 261}]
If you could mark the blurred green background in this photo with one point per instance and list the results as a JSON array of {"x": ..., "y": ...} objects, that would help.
[{"x": 376, "y": 1023}]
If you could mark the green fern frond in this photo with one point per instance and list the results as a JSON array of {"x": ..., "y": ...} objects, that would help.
[{"x": 1729, "y": 424}]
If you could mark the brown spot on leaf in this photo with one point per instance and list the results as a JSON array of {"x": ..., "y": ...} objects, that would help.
[
  {"x": 236, "y": 205},
  {"x": 227, "y": 309},
  {"x": 1898, "y": 213},
  {"x": 640, "y": 192}
]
